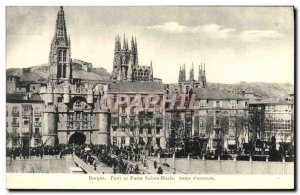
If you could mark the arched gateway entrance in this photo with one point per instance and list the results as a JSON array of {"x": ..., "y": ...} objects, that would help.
[{"x": 77, "y": 138}]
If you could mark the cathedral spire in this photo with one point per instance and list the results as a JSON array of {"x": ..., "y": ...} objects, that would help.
[
  {"x": 124, "y": 42},
  {"x": 179, "y": 75},
  {"x": 136, "y": 53},
  {"x": 192, "y": 73},
  {"x": 132, "y": 44},
  {"x": 116, "y": 43},
  {"x": 183, "y": 73},
  {"x": 60, "y": 68},
  {"x": 60, "y": 29}
]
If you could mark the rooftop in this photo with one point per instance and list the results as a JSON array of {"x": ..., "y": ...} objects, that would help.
[
  {"x": 214, "y": 94},
  {"x": 136, "y": 87},
  {"x": 21, "y": 98}
]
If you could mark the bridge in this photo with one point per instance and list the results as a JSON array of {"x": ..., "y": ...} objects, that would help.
[{"x": 87, "y": 169}]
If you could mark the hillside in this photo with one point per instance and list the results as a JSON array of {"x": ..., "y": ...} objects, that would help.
[
  {"x": 40, "y": 73},
  {"x": 265, "y": 90}
]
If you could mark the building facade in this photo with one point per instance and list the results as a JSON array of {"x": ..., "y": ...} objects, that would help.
[
  {"x": 217, "y": 119},
  {"x": 274, "y": 118},
  {"x": 126, "y": 66},
  {"x": 70, "y": 110},
  {"x": 23, "y": 122}
]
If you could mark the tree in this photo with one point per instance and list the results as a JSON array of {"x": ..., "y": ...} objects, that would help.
[{"x": 177, "y": 130}]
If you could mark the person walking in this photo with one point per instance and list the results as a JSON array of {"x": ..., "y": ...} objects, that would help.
[
  {"x": 160, "y": 170},
  {"x": 155, "y": 164}
]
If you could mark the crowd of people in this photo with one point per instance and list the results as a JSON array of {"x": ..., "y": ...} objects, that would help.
[
  {"x": 39, "y": 151},
  {"x": 121, "y": 159},
  {"x": 124, "y": 160}
]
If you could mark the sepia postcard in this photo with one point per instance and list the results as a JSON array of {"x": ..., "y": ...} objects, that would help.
[{"x": 157, "y": 97}]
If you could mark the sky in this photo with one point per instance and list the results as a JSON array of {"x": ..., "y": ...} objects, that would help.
[{"x": 252, "y": 44}]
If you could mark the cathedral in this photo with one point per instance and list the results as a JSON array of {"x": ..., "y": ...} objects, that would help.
[
  {"x": 72, "y": 111},
  {"x": 73, "y": 108},
  {"x": 126, "y": 66}
]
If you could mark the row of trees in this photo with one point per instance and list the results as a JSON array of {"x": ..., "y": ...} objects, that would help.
[{"x": 247, "y": 130}]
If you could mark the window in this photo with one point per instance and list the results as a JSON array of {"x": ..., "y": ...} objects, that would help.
[
  {"x": 15, "y": 110},
  {"x": 158, "y": 121},
  {"x": 114, "y": 128},
  {"x": 149, "y": 131},
  {"x": 64, "y": 71},
  {"x": 218, "y": 104},
  {"x": 59, "y": 99},
  {"x": 36, "y": 131},
  {"x": 37, "y": 119},
  {"x": 131, "y": 140},
  {"x": 233, "y": 103},
  {"x": 158, "y": 142},
  {"x": 114, "y": 121},
  {"x": 202, "y": 103},
  {"x": 123, "y": 121},
  {"x": 33, "y": 87},
  {"x": 114, "y": 140},
  {"x": 64, "y": 56},
  {"x": 157, "y": 130},
  {"x": 15, "y": 121},
  {"x": 141, "y": 140},
  {"x": 27, "y": 108},
  {"x": 149, "y": 140},
  {"x": 141, "y": 130},
  {"x": 37, "y": 110},
  {"x": 14, "y": 130},
  {"x": 122, "y": 140},
  {"x": 123, "y": 109}
]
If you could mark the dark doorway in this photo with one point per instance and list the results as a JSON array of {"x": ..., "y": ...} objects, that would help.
[{"x": 77, "y": 138}]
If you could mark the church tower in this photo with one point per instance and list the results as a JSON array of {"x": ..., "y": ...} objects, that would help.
[
  {"x": 60, "y": 68},
  {"x": 125, "y": 59},
  {"x": 202, "y": 76},
  {"x": 192, "y": 73}
]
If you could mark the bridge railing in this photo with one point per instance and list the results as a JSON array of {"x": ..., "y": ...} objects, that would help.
[{"x": 85, "y": 167}]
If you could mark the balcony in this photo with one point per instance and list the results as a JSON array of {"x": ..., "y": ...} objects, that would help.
[
  {"x": 123, "y": 114},
  {"x": 15, "y": 114},
  {"x": 37, "y": 124},
  {"x": 132, "y": 124},
  {"x": 158, "y": 124},
  {"x": 37, "y": 114},
  {"x": 132, "y": 115},
  {"x": 115, "y": 124},
  {"x": 147, "y": 123},
  {"x": 17, "y": 124},
  {"x": 218, "y": 108},
  {"x": 123, "y": 125},
  {"x": 15, "y": 135}
]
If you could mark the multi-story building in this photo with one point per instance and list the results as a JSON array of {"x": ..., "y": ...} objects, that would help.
[
  {"x": 23, "y": 122},
  {"x": 217, "y": 118},
  {"x": 221, "y": 118},
  {"x": 11, "y": 84},
  {"x": 70, "y": 110},
  {"x": 72, "y": 106},
  {"x": 134, "y": 124},
  {"x": 272, "y": 118}
]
